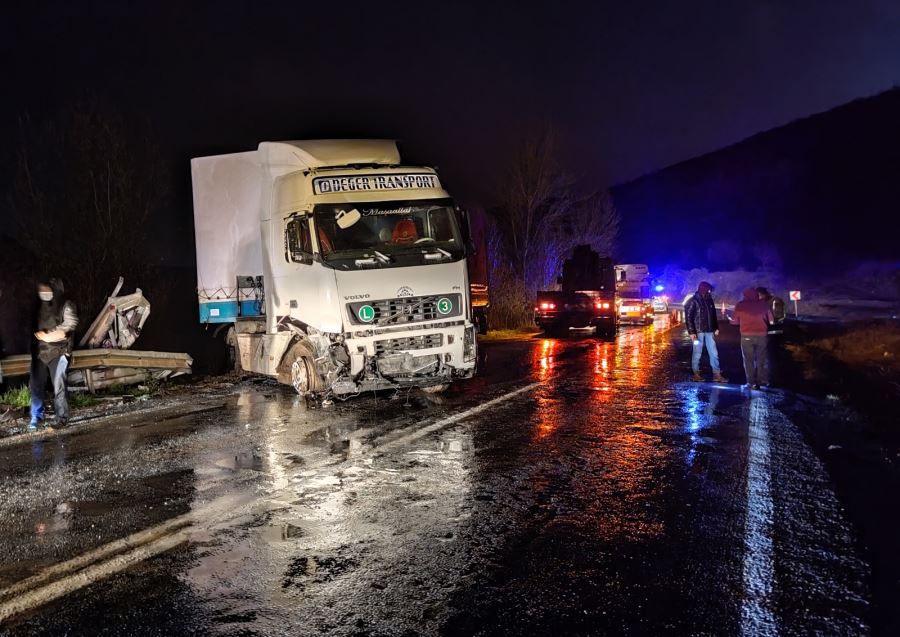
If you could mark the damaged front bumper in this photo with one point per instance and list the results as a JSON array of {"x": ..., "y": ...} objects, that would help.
[{"x": 408, "y": 359}]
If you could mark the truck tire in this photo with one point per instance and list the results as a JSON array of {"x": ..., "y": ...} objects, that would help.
[
  {"x": 298, "y": 369},
  {"x": 435, "y": 389},
  {"x": 231, "y": 350}
]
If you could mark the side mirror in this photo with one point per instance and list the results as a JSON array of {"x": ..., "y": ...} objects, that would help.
[
  {"x": 463, "y": 217},
  {"x": 297, "y": 240}
]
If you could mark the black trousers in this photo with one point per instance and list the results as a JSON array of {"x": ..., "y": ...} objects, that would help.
[{"x": 756, "y": 359}]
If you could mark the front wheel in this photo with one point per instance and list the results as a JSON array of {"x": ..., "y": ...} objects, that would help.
[{"x": 298, "y": 369}]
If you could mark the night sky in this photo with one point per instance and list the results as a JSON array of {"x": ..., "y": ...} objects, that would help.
[{"x": 630, "y": 86}]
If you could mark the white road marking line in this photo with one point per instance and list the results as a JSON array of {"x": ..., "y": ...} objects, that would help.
[
  {"x": 450, "y": 420},
  {"x": 38, "y": 597},
  {"x": 757, "y": 617},
  {"x": 86, "y": 559},
  {"x": 61, "y": 579}
]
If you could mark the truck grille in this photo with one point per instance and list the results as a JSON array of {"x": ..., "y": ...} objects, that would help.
[
  {"x": 411, "y": 309},
  {"x": 389, "y": 345}
]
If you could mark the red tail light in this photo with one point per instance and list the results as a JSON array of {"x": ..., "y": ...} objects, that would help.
[{"x": 548, "y": 306}]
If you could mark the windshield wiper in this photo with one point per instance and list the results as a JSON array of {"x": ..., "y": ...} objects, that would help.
[
  {"x": 440, "y": 254},
  {"x": 381, "y": 257}
]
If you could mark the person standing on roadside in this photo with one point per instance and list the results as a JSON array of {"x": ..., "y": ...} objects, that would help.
[
  {"x": 773, "y": 302},
  {"x": 776, "y": 331},
  {"x": 703, "y": 327},
  {"x": 54, "y": 331},
  {"x": 754, "y": 317}
]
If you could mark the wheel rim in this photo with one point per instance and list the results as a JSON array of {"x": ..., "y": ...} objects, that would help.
[{"x": 300, "y": 376}]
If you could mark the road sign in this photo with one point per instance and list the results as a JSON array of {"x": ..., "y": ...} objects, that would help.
[
  {"x": 794, "y": 295},
  {"x": 444, "y": 305},
  {"x": 366, "y": 313}
]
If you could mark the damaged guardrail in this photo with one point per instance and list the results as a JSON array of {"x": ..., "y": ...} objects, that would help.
[
  {"x": 106, "y": 359},
  {"x": 93, "y": 369}
]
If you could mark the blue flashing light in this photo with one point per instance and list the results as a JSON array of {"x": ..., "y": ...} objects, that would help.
[{"x": 660, "y": 288}]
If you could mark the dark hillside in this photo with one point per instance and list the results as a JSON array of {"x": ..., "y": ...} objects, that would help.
[{"x": 818, "y": 195}]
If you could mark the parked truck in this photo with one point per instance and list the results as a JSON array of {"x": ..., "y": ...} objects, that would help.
[
  {"x": 333, "y": 267},
  {"x": 586, "y": 298}
]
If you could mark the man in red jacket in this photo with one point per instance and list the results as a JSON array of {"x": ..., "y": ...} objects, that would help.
[{"x": 754, "y": 317}]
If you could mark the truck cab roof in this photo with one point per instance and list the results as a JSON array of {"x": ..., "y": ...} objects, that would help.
[{"x": 311, "y": 154}]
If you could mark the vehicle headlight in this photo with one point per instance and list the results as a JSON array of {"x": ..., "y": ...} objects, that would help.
[{"x": 469, "y": 347}]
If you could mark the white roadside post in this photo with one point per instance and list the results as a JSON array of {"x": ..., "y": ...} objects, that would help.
[{"x": 795, "y": 296}]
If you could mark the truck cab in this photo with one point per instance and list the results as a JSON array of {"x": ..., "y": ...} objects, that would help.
[{"x": 336, "y": 268}]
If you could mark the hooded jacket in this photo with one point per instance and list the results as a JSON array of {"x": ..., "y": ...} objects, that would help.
[
  {"x": 700, "y": 314},
  {"x": 752, "y": 314}
]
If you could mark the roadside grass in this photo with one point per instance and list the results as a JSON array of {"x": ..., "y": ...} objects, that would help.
[
  {"x": 861, "y": 363},
  {"x": 16, "y": 398},
  {"x": 20, "y": 398},
  {"x": 82, "y": 399},
  {"x": 520, "y": 334},
  {"x": 870, "y": 348}
]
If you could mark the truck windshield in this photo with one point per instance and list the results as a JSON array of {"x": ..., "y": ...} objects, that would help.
[{"x": 388, "y": 233}]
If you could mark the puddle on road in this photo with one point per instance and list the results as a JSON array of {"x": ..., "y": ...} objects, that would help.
[{"x": 281, "y": 532}]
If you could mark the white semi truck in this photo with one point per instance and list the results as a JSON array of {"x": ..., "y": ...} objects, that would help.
[{"x": 333, "y": 267}]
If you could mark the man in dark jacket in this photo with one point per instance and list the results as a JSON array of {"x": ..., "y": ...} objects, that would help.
[
  {"x": 776, "y": 304},
  {"x": 54, "y": 330},
  {"x": 703, "y": 326},
  {"x": 754, "y": 317}
]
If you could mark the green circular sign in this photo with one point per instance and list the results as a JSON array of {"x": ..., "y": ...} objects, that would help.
[
  {"x": 444, "y": 305},
  {"x": 366, "y": 313}
]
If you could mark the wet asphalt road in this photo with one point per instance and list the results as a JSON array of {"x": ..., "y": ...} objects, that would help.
[{"x": 576, "y": 486}]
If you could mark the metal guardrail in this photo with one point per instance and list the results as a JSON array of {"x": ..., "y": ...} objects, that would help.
[{"x": 92, "y": 358}]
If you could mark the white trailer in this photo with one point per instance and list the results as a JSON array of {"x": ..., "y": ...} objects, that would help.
[
  {"x": 335, "y": 268},
  {"x": 633, "y": 292}
]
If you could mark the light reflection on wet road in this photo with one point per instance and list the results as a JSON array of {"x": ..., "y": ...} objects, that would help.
[{"x": 611, "y": 498}]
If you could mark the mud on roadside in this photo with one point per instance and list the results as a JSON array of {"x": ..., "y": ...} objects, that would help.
[{"x": 125, "y": 402}]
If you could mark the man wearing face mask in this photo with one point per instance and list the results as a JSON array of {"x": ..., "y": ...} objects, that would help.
[{"x": 55, "y": 322}]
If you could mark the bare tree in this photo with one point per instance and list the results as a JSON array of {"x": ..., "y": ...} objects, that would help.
[
  {"x": 87, "y": 186},
  {"x": 540, "y": 219},
  {"x": 534, "y": 195},
  {"x": 591, "y": 220}
]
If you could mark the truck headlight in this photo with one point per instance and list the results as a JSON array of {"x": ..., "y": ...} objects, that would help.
[{"x": 469, "y": 348}]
